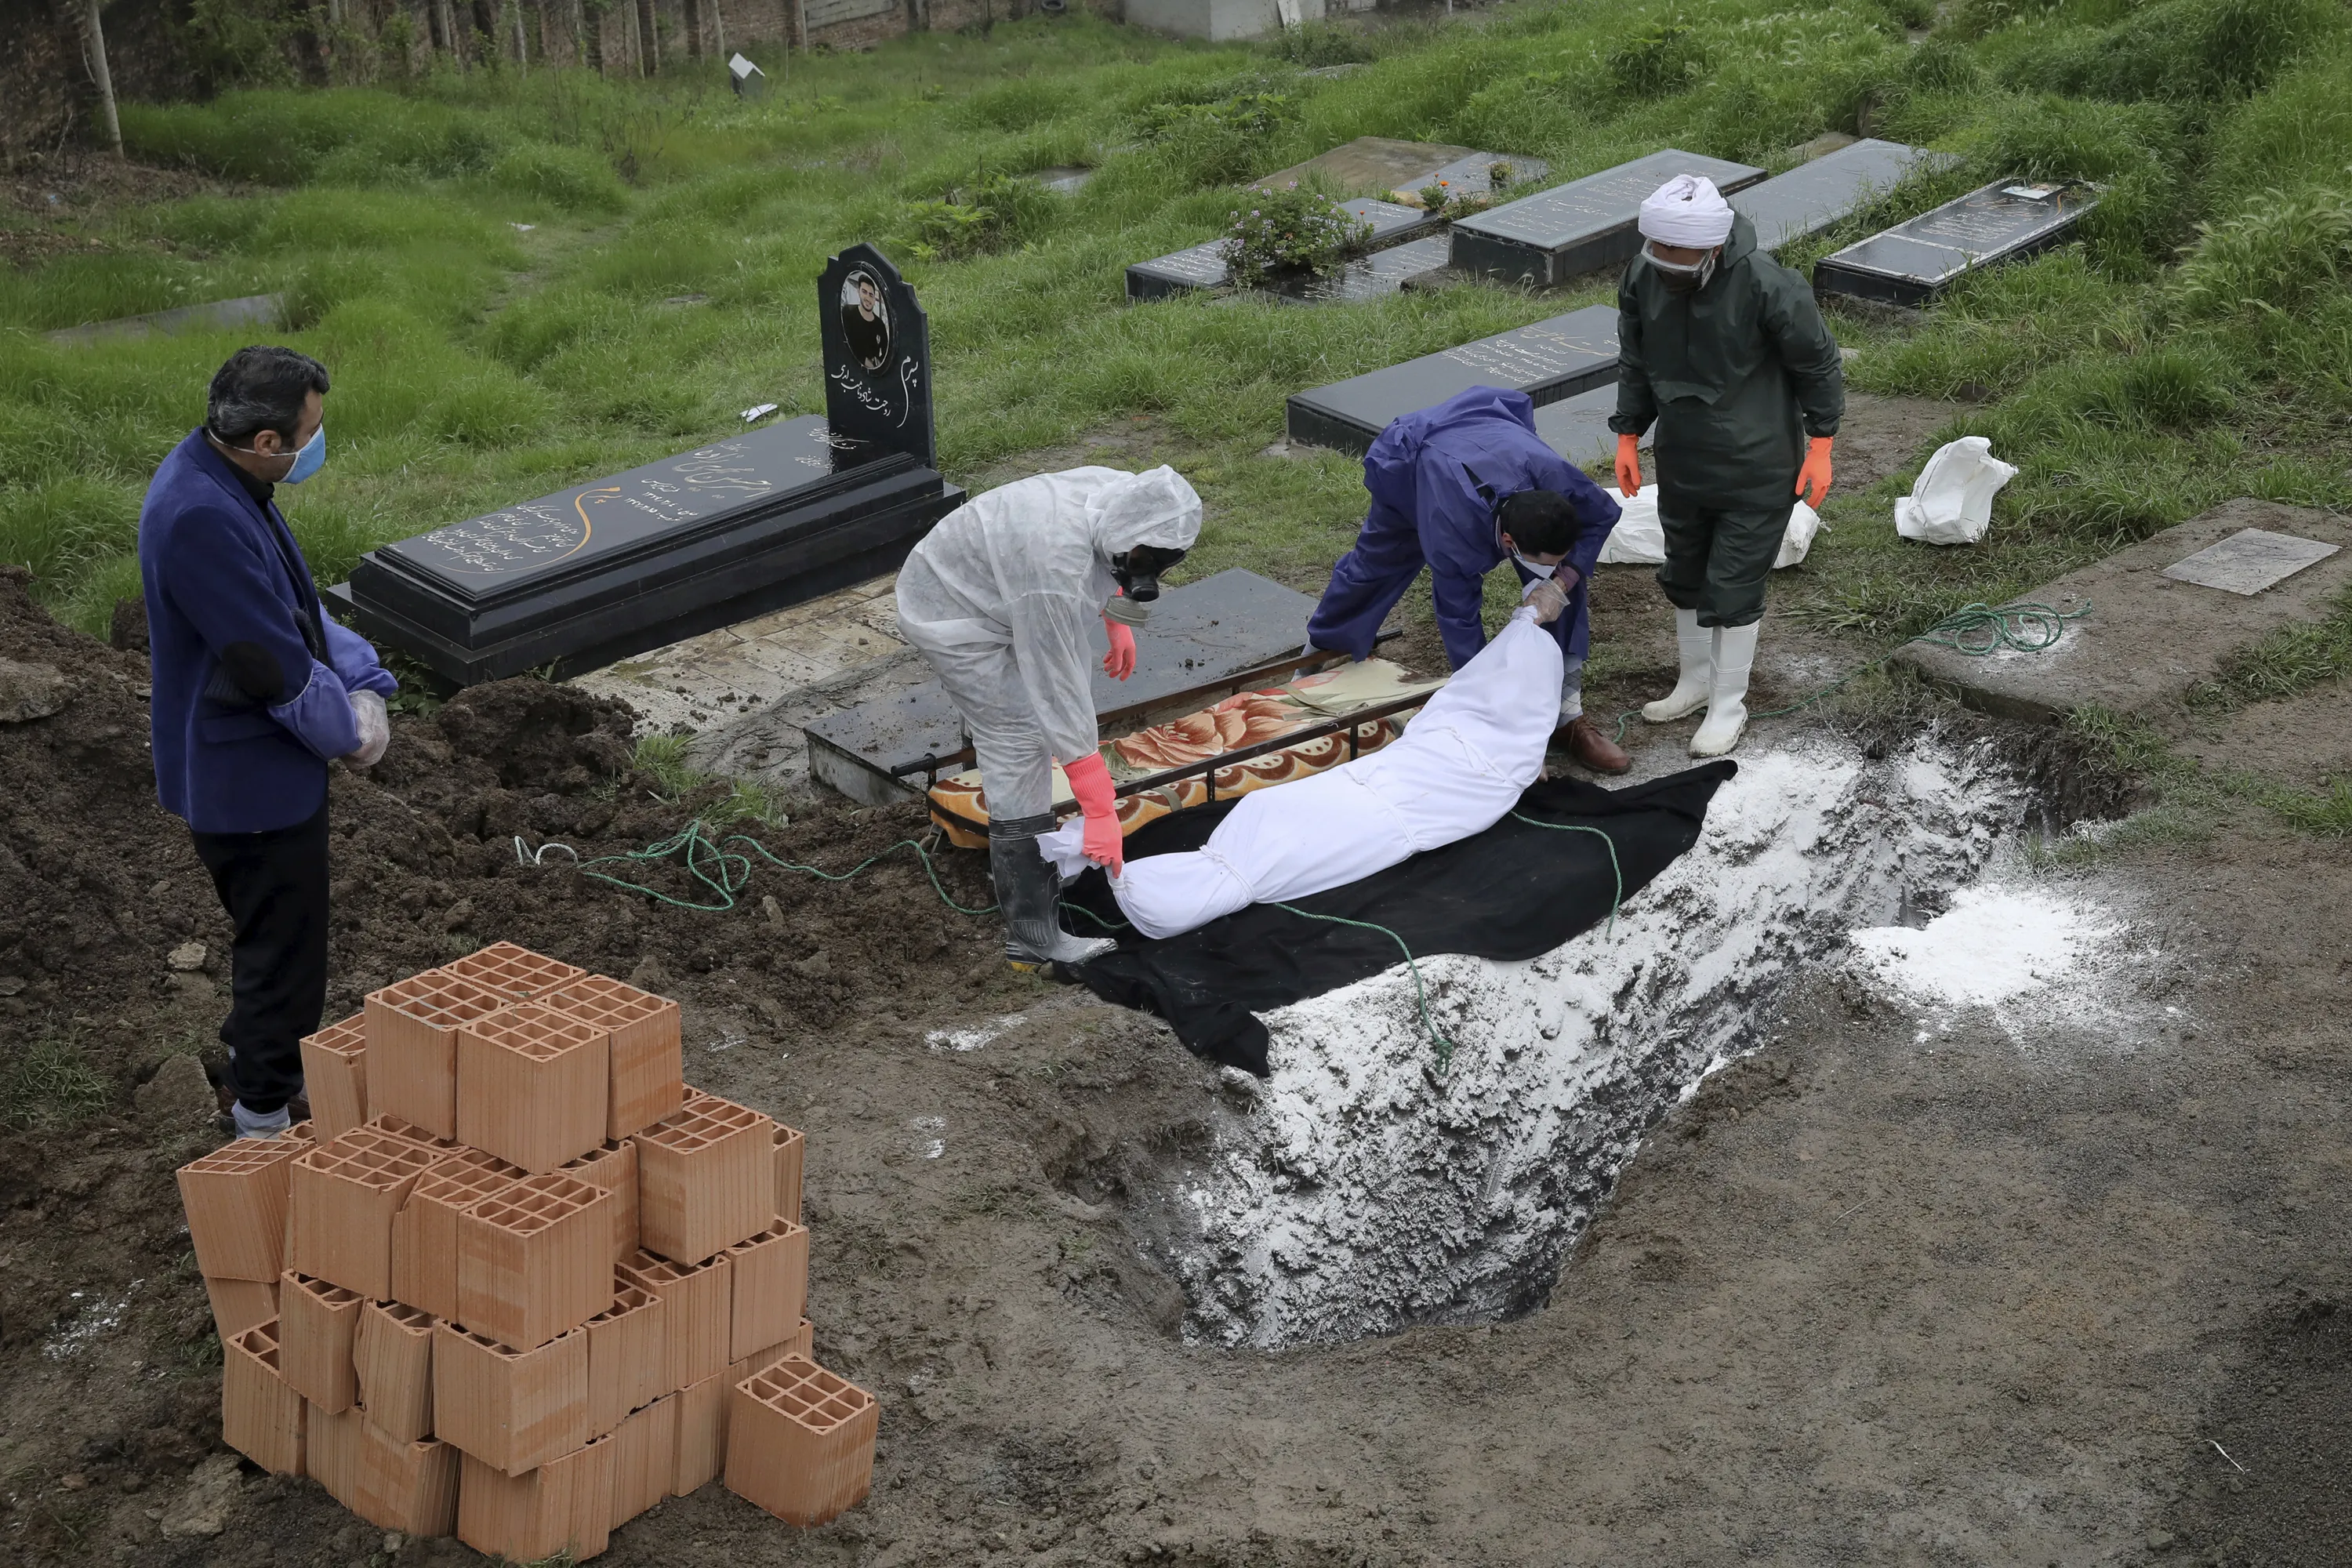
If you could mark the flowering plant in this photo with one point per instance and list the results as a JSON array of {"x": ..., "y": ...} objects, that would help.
[{"x": 1289, "y": 230}]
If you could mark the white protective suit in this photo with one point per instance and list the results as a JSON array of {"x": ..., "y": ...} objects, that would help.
[
  {"x": 1001, "y": 598},
  {"x": 1463, "y": 761}
]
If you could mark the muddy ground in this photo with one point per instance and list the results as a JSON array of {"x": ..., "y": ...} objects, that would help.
[{"x": 2001, "y": 1295}]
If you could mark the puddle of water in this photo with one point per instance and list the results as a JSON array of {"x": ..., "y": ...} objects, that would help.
[{"x": 1364, "y": 1194}]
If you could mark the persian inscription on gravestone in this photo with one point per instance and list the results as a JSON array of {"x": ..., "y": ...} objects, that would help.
[
  {"x": 878, "y": 355},
  {"x": 1534, "y": 355},
  {"x": 2250, "y": 561},
  {"x": 1583, "y": 224},
  {"x": 1911, "y": 261}
]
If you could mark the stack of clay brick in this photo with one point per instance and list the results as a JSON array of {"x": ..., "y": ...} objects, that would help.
[{"x": 515, "y": 1279}]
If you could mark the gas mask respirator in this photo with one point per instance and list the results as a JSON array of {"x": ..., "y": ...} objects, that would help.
[{"x": 1138, "y": 572}]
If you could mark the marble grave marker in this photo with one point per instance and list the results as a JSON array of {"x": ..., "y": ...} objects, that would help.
[
  {"x": 1914, "y": 261},
  {"x": 1548, "y": 361},
  {"x": 1812, "y": 196},
  {"x": 1582, "y": 225}
]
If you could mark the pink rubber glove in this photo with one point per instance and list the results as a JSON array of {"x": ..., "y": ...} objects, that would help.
[
  {"x": 1090, "y": 782},
  {"x": 1120, "y": 662}
]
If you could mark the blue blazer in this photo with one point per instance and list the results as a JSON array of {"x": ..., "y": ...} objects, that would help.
[{"x": 251, "y": 681}]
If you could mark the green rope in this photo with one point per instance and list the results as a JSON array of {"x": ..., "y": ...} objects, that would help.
[
  {"x": 1419, "y": 993},
  {"x": 1616, "y": 900},
  {"x": 726, "y": 872}
]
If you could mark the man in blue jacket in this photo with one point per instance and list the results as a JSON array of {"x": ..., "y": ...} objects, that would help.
[
  {"x": 255, "y": 691},
  {"x": 1461, "y": 488}
]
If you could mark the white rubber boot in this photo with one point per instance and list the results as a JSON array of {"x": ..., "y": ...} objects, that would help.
[
  {"x": 1694, "y": 643},
  {"x": 1726, "y": 707}
]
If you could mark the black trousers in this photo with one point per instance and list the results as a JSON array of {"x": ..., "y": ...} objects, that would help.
[{"x": 274, "y": 886}]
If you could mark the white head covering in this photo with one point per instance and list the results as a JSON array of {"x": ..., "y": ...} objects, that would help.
[
  {"x": 1156, "y": 508},
  {"x": 1687, "y": 210}
]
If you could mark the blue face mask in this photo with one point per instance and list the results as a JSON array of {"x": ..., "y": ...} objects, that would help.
[{"x": 311, "y": 459}]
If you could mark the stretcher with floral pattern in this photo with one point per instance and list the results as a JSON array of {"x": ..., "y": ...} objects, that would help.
[{"x": 1375, "y": 688}]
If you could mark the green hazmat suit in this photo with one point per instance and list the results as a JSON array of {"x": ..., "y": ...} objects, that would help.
[{"x": 1735, "y": 374}]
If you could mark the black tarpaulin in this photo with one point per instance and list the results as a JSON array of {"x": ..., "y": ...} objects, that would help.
[{"x": 1514, "y": 892}]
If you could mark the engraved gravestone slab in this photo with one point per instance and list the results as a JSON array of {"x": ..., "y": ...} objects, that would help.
[
  {"x": 1473, "y": 175},
  {"x": 1578, "y": 427},
  {"x": 1204, "y": 266},
  {"x": 2250, "y": 561},
  {"x": 1812, "y": 196},
  {"x": 1370, "y": 276},
  {"x": 1548, "y": 361},
  {"x": 1914, "y": 261},
  {"x": 1582, "y": 225},
  {"x": 878, "y": 355}
]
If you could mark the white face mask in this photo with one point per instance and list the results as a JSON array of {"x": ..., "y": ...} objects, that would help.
[{"x": 1542, "y": 574}]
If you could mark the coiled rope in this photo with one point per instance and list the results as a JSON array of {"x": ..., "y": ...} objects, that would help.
[{"x": 724, "y": 871}]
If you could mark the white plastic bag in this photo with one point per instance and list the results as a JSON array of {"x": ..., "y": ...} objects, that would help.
[
  {"x": 1952, "y": 503},
  {"x": 1638, "y": 540}
]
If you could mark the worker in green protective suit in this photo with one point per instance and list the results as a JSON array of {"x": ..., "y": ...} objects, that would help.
[{"x": 1723, "y": 348}]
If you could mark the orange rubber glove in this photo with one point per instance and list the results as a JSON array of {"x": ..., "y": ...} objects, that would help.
[
  {"x": 1629, "y": 465},
  {"x": 1090, "y": 782},
  {"x": 1120, "y": 662},
  {"x": 1815, "y": 475}
]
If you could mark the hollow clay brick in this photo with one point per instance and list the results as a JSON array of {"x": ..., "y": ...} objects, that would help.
[
  {"x": 392, "y": 1357},
  {"x": 534, "y": 1258},
  {"x": 511, "y": 1409},
  {"x": 401, "y": 1127},
  {"x": 645, "y": 1459},
  {"x": 392, "y": 1485},
  {"x": 343, "y": 1195},
  {"x": 628, "y": 1356},
  {"x": 649, "y": 1056},
  {"x": 614, "y": 1167},
  {"x": 701, "y": 1444},
  {"x": 791, "y": 1149},
  {"x": 514, "y": 974},
  {"x": 800, "y": 1343},
  {"x": 261, "y": 1416},
  {"x": 800, "y": 1441},
  {"x": 563, "y": 1506},
  {"x": 425, "y": 1232},
  {"x": 238, "y": 1304},
  {"x": 412, "y": 1046},
  {"x": 701, "y": 1303},
  {"x": 531, "y": 1085},
  {"x": 317, "y": 1324},
  {"x": 706, "y": 1178},
  {"x": 769, "y": 1288},
  {"x": 236, "y": 1203},
  {"x": 334, "y": 1076}
]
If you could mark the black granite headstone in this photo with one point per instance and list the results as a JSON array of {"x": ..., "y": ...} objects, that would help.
[
  {"x": 1812, "y": 196},
  {"x": 1548, "y": 361},
  {"x": 1199, "y": 632},
  {"x": 878, "y": 355},
  {"x": 1914, "y": 261},
  {"x": 1582, "y": 225},
  {"x": 1578, "y": 427},
  {"x": 731, "y": 529},
  {"x": 1368, "y": 277},
  {"x": 1204, "y": 266}
]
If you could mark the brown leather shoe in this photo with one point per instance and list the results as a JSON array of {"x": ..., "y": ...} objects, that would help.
[{"x": 1589, "y": 748}]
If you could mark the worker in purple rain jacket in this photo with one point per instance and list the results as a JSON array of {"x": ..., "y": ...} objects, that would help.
[
  {"x": 255, "y": 691},
  {"x": 1461, "y": 488}
]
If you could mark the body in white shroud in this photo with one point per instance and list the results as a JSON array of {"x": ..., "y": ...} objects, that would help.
[{"x": 1463, "y": 761}]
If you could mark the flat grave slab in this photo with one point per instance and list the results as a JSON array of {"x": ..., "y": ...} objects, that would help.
[
  {"x": 1582, "y": 225},
  {"x": 1913, "y": 262},
  {"x": 671, "y": 549},
  {"x": 1202, "y": 266},
  {"x": 1578, "y": 427},
  {"x": 1548, "y": 361},
  {"x": 2150, "y": 636},
  {"x": 1474, "y": 175},
  {"x": 1199, "y": 633},
  {"x": 2250, "y": 561},
  {"x": 1812, "y": 196},
  {"x": 1380, "y": 166},
  {"x": 1370, "y": 276}
]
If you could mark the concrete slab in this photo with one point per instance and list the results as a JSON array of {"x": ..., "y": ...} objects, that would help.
[
  {"x": 2149, "y": 637},
  {"x": 2250, "y": 561}
]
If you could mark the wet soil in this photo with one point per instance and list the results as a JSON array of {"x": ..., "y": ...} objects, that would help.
[{"x": 1986, "y": 1297}]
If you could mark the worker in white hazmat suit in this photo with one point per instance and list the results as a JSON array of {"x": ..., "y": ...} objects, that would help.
[
  {"x": 1463, "y": 761},
  {"x": 1000, "y": 599}
]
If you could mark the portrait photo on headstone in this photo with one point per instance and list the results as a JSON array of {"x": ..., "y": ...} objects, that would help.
[{"x": 865, "y": 319}]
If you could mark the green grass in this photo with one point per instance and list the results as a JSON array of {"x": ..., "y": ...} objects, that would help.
[
  {"x": 2196, "y": 345},
  {"x": 48, "y": 1081},
  {"x": 2290, "y": 661}
]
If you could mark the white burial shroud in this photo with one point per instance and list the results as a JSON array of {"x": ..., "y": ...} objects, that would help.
[{"x": 1463, "y": 761}]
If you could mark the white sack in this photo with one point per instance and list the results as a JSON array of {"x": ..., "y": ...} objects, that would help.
[
  {"x": 1463, "y": 761},
  {"x": 1639, "y": 540},
  {"x": 1952, "y": 503}
]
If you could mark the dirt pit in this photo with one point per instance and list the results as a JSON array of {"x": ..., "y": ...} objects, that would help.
[{"x": 1923, "y": 1278}]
